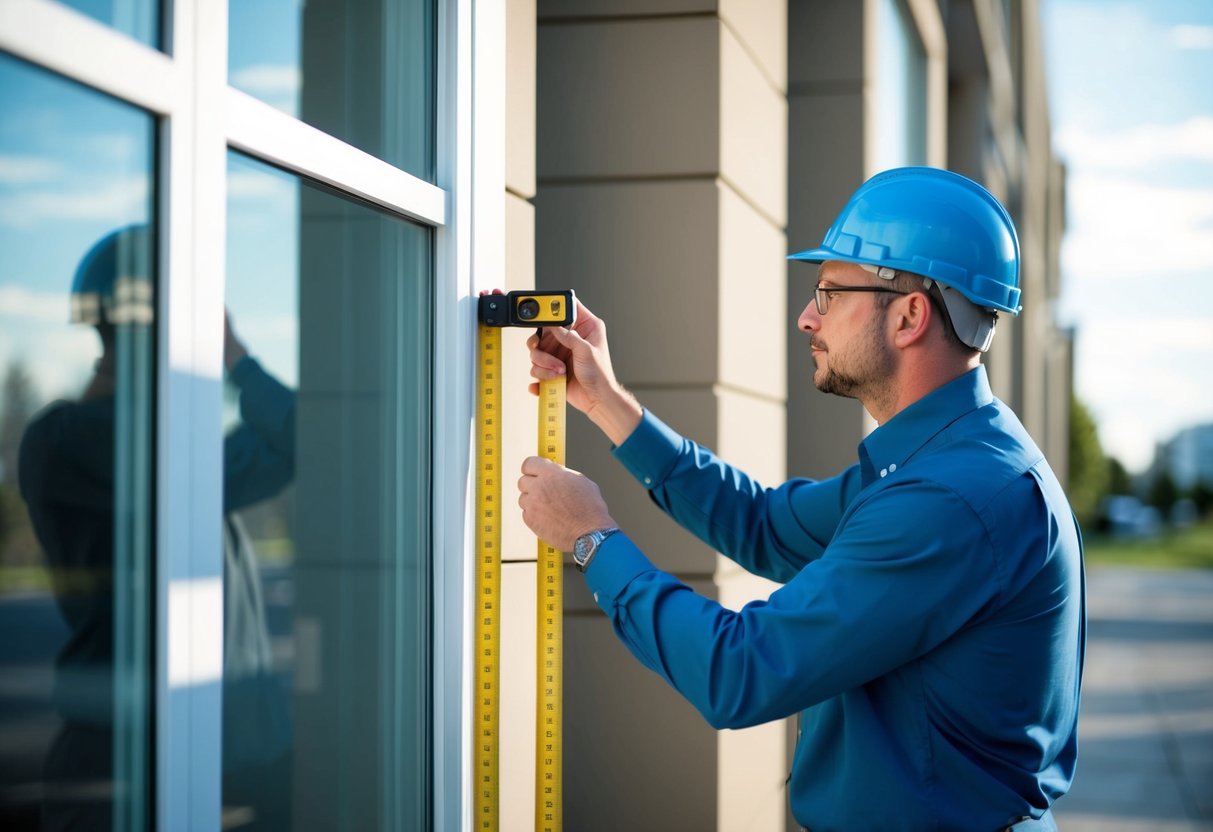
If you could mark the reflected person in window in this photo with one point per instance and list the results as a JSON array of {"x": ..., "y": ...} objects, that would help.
[
  {"x": 67, "y": 475},
  {"x": 930, "y": 626}
]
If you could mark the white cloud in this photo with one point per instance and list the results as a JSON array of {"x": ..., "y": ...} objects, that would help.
[
  {"x": 1190, "y": 140},
  {"x": 116, "y": 201},
  {"x": 59, "y": 359},
  {"x": 24, "y": 170},
  {"x": 1191, "y": 36},
  {"x": 269, "y": 79},
  {"x": 1190, "y": 334},
  {"x": 1124, "y": 227},
  {"x": 257, "y": 186},
  {"x": 1145, "y": 380},
  {"x": 278, "y": 85},
  {"x": 23, "y": 304}
]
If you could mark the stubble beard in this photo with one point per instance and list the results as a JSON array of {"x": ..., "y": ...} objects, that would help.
[{"x": 863, "y": 371}]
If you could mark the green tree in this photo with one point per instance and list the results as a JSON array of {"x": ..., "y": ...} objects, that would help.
[
  {"x": 17, "y": 403},
  {"x": 1089, "y": 469},
  {"x": 1119, "y": 481},
  {"x": 1202, "y": 495},
  {"x": 1163, "y": 492}
]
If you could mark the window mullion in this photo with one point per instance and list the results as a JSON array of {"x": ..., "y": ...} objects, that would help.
[
  {"x": 189, "y": 475},
  {"x": 78, "y": 47}
]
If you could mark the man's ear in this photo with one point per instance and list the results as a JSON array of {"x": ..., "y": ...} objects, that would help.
[{"x": 912, "y": 319}]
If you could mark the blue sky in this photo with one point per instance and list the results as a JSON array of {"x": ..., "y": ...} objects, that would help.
[{"x": 1131, "y": 88}]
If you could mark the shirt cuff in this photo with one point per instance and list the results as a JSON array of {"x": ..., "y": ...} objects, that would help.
[
  {"x": 615, "y": 565},
  {"x": 650, "y": 451}
]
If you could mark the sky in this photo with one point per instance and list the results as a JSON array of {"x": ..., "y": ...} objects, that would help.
[{"x": 1131, "y": 99}]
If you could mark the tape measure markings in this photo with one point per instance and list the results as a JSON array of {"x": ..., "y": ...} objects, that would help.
[
  {"x": 488, "y": 581},
  {"x": 550, "y": 631},
  {"x": 549, "y": 596}
]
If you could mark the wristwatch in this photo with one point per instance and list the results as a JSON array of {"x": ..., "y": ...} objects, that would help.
[{"x": 587, "y": 546}]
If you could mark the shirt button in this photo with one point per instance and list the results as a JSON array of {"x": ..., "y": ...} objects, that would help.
[
  {"x": 893, "y": 467},
  {"x": 595, "y": 597},
  {"x": 648, "y": 480},
  {"x": 884, "y": 472}
]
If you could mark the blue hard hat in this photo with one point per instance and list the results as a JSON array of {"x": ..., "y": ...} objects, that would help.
[
  {"x": 112, "y": 284},
  {"x": 934, "y": 223}
]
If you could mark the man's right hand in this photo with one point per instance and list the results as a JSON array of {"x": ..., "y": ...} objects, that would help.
[{"x": 580, "y": 353}]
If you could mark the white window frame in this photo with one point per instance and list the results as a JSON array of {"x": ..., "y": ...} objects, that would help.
[{"x": 201, "y": 118}]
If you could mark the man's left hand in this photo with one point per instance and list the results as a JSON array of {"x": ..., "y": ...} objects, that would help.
[{"x": 559, "y": 504}]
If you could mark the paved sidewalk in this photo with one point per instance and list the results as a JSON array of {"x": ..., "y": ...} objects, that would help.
[{"x": 1145, "y": 760}]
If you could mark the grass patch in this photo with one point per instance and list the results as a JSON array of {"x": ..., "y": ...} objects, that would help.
[{"x": 1190, "y": 548}]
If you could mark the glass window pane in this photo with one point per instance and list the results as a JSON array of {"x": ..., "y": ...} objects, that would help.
[
  {"x": 901, "y": 90},
  {"x": 139, "y": 19},
  {"x": 327, "y": 676},
  {"x": 361, "y": 70},
  {"x": 77, "y": 255}
]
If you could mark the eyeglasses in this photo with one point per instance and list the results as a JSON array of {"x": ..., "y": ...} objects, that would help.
[{"x": 821, "y": 294}]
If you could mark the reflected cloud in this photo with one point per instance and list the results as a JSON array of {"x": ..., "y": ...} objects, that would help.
[
  {"x": 276, "y": 84},
  {"x": 19, "y": 169},
  {"x": 59, "y": 360},
  {"x": 250, "y": 186},
  {"x": 25, "y": 304},
  {"x": 127, "y": 197}
]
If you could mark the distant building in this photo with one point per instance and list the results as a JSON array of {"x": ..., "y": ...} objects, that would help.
[{"x": 1187, "y": 457}]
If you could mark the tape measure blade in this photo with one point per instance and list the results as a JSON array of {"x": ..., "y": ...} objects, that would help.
[
  {"x": 486, "y": 751},
  {"x": 549, "y": 739}
]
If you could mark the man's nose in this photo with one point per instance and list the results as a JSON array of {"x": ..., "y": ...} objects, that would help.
[{"x": 809, "y": 320}]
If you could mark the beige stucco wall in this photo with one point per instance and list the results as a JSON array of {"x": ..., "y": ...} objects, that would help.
[{"x": 662, "y": 200}]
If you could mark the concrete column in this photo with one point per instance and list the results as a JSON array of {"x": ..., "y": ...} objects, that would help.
[{"x": 662, "y": 201}]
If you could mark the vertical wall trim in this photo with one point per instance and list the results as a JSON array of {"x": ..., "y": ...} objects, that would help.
[{"x": 469, "y": 258}]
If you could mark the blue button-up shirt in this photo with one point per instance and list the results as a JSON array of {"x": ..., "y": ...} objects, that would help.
[{"x": 930, "y": 626}]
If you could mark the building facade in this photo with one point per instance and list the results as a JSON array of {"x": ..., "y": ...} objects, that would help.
[{"x": 243, "y": 583}]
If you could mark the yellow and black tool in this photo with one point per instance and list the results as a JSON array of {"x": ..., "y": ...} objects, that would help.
[{"x": 533, "y": 308}]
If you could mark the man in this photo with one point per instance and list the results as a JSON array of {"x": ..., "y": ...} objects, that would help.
[{"x": 931, "y": 622}]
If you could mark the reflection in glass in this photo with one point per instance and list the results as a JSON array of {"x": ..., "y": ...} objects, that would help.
[
  {"x": 901, "y": 89},
  {"x": 361, "y": 70},
  {"x": 77, "y": 280},
  {"x": 328, "y": 355},
  {"x": 139, "y": 19}
]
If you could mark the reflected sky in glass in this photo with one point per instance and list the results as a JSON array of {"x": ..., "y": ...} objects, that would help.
[
  {"x": 139, "y": 19},
  {"x": 360, "y": 70},
  {"x": 73, "y": 166}
]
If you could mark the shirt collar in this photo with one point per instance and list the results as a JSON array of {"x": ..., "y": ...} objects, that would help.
[{"x": 888, "y": 447}]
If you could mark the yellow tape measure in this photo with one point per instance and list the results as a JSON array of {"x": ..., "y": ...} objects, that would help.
[
  {"x": 488, "y": 578},
  {"x": 552, "y": 308},
  {"x": 549, "y": 600}
]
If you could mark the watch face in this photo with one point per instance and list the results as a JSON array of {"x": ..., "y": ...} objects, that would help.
[{"x": 582, "y": 549}]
